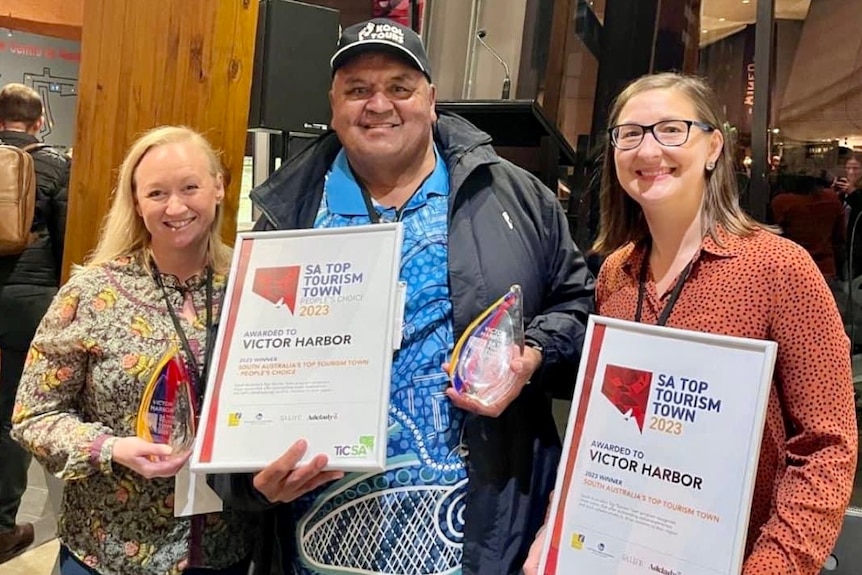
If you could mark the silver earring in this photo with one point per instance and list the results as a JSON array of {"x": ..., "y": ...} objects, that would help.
[{"x": 710, "y": 166}]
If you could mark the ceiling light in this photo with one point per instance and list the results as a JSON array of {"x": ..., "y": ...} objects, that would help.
[{"x": 721, "y": 19}]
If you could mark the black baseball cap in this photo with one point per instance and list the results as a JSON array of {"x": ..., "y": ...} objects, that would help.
[{"x": 381, "y": 35}]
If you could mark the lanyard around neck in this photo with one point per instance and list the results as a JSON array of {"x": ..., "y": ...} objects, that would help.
[
  {"x": 369, "y": 203},
  {"x": 200, "y": 371},
  {"x": 674, "y": 295}
]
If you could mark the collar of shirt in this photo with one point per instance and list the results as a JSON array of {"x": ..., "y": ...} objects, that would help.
[
  {"x": 344, "y": 196},
  {"x": 728, "y": 246}
]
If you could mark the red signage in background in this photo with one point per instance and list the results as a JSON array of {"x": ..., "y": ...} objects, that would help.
[
  {"x": 34, "y": 51},
  {"x": 400, "y": 11},
  {"x": 748, "y": 80}
]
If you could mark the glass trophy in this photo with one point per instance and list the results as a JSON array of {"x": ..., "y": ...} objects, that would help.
[
  {"x": 480, "y": 363},
  {"x": 167, "y": 413}
]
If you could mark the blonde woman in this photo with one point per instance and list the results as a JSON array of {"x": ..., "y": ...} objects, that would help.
[{"x": 157, "y": 276}]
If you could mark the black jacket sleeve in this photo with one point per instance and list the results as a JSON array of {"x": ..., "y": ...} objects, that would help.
[
  {"x": 237, "y": 492},
  {"x": 262, "y": 225},
  {"x": 569, "y": 300}
]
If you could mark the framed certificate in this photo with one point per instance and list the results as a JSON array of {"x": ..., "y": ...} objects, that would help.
[
  {"x": 661, "y": 452},
  {"x": 304, "y": 350}
]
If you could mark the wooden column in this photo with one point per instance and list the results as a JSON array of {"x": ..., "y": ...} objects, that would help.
[
  {"x": 555, "y": 72},
  {"x": 627, "y": 47},
  {"x": 677, "y": 40},
  {"x": 146, "y": 63}
]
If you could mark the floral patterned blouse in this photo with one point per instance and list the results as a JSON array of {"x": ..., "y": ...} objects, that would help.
[{"x": 92, "y": 356}]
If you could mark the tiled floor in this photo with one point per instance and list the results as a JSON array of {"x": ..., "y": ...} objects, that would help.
[
  {"x": 36, "y": 561},
  {"x": 38, "y": 507}
]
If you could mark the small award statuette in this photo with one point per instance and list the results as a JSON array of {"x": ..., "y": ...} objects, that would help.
[
  {"x": 480, "y": 363},
  {"x": 166, "y": 414}
]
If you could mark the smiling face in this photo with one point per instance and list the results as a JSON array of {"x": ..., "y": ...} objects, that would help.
[
  {"x": 382, "y": 111},
  {"x": 176, "y": 195},
  {"x": 853, "y": 169},
  {"x": 657, "y": 176}
]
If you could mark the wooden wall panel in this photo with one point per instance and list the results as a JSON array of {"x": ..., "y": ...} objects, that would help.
[
  {"x": 145, "y": 64},
  {"x": 555, "y": 72},
  {"x": 58, "y": 18}
]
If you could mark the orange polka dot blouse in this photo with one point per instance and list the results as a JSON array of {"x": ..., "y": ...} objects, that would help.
[{"x": 765, "y": 287}]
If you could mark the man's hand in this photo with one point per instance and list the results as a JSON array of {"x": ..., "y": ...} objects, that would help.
[
  {"x": 282, "y": 481},
  {"x": 531, "y": 565},
  {"x": 523, "y": 366},
  {"x": 842, "y": 185},
  {"x": 148, "y": 459}
]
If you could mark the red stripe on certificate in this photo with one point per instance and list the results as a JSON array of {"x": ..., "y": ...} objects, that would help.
[
  {"x": 583, "y": 405},
  {"x": 212, "y": 418}
]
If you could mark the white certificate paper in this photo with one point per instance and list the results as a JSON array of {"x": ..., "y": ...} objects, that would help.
[
  {"x": 661, "y": 453},
  {"x": 304, "y": 350}
]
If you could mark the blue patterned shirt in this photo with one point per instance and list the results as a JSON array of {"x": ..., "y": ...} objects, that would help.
[{"x": 410, "y": 518}]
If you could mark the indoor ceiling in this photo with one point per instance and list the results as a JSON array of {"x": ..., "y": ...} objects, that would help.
[{"x": 722, "y": 18}]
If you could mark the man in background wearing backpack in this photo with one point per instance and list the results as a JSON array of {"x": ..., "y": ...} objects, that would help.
[{"x": 28, "y": 283}]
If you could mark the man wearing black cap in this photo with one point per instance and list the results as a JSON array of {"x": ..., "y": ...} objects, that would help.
[{"x": 466, "y": 485}]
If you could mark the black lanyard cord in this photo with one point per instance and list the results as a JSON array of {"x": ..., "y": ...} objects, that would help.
[
  {"x": 674, "y": 296},
  {"x": 369, "y": 203},
  {"x": 200, "y": 371}
]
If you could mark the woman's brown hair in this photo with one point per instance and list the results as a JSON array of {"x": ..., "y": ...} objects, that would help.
[{"x": 621, "y": 218}]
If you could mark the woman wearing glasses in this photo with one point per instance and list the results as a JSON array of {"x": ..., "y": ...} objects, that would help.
[{"x": 682, "y": 253}]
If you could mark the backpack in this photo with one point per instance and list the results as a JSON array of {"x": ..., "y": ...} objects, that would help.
[{"x": 17, "y": 197}]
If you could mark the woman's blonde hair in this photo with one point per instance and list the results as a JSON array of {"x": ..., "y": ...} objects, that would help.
[
  {"x": 124, "y": 232},
  {"x": 622, "y": 219}
]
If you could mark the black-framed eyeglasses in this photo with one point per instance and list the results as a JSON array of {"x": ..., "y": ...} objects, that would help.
[{"x": 667, "y": 133}]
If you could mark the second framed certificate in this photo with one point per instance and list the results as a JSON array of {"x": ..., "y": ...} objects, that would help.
[
  {"x": 304, "y": 350},
  {"x": 661, "y": 452}
]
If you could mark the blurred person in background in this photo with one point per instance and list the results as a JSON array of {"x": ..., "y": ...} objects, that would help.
[
  {"x": 848, "y": 189},
  {"x": 400, "y": 11},
  {"x": 28, "y": 283},
  {"x": 810, "y": 214}
]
